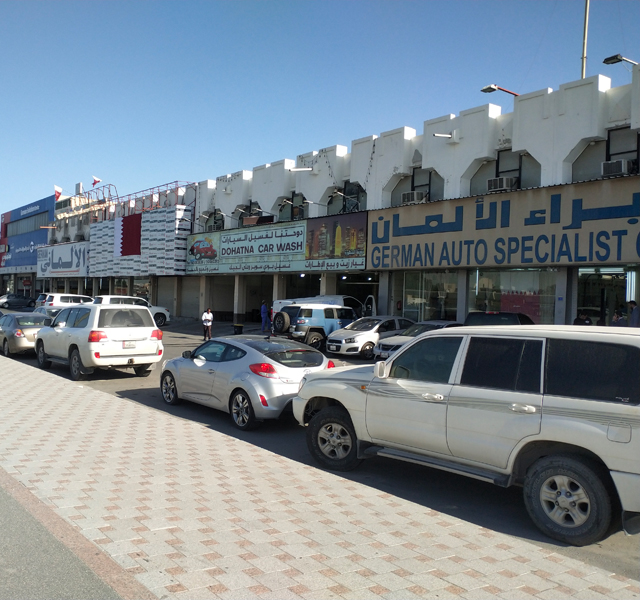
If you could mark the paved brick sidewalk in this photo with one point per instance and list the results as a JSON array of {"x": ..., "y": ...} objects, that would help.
[{"x": 193, "y": 513}]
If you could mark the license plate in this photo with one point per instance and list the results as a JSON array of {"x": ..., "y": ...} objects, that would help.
[
  {"x": 332, "y": 347},
  {"x": 128, "y": 344}
]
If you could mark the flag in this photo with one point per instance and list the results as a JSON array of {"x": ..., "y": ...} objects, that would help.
[
  {"x": 58, "y": 191},
  {"x": 95, "y": 181},
  {"x": 127, "y": 235}
]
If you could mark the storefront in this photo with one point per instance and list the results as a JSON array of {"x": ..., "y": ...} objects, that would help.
[{"x": 544, "y": 252}]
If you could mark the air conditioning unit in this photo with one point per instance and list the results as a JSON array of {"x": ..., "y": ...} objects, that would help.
[
  {"x": 500, "y": 184},
  {"x": 412, "y": 197},
  {"x": 617, "y": 167}
]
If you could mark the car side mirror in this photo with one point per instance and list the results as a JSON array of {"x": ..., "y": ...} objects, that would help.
[
  {"x": 186, "y": 354},
  {"x": 380, "y": 370},
  {"x": 47, "y": 322}
]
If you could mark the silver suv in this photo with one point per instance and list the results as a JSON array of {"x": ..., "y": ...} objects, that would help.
[
  {"x": 551, "y": 408},
  {"x": 95, "y": 336}
]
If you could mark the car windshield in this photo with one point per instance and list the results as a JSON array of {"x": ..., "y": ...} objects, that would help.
[
  {"x": 419, "y": 328},
  {"x": 125, "y": 317},
  {"x": 297, "y": 358},
  {"x": 33, "y": 319},
  {"x": 366, "y": 324}
]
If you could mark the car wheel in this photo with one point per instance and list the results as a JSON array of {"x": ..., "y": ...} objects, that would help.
[
  {"x": 142, "y": 371},
  {"x": 367, "y": 351},
  {"x": 32, "y": 304},
  {"x": 75, "y": 366},
  {"x": 160, "y": 319},
  {"x": 5, "y": 348},
  {"x": 242, "y": 411},
  {"x": 315, "y": 340},
  {"x": 41, "y": 355},
  {"x": 169, "y": 389},
  {"x": 332, "y": 440},
  {"x": 281, "y": 322},
  {"x": 567, "y": 499}
]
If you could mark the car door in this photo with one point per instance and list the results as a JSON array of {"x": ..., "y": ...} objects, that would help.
[
  {"x": 408, "y": 409},
  {"x": 498, "y": 401},
  {"x": 198, "y": 373},
  {"x": 227, "y": 371},
  {"x": 54, "y": 342},
  {"x": 386, "y": 329},
  {"x": 4, "y": 324}
]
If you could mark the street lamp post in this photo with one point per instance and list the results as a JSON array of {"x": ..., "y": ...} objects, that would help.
[{"x": 488, "y": 89}]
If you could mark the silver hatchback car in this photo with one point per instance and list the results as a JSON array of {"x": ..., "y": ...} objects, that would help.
[{"x": 249, "y": 376}]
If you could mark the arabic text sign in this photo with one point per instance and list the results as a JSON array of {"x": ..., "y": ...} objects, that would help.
[
  {"x": 577, "y": 224},
  {"x": 64, "y": 260}
]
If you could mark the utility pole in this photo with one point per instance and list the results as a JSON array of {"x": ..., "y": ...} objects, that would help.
[{"x": 584, "y": 38}]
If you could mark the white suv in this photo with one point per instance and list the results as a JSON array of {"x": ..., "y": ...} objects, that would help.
[
  {"x": 60, "y": 301},
  {"x": 94, "y": 336},
  {"x": 160, "y": 314},
  {"x": 551, "y": 408}
]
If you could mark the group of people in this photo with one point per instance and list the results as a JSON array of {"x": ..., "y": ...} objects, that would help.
[
  {"x": 207, "y": 320},
  {"x": 619, "y": 320}
]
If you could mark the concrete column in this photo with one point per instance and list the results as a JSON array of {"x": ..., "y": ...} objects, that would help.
[
  {"x": 239, "y": 299},
  {"x": 462, "y": 307},
  {"x": 96, "y": 286},
  {"x": 66, "y": 285},
  {"x": 328, "y": 283},
  {"x": 565, "y": 298},
  {"x": 279, "y": 286},
  {"x": 383, "y": 301},
  {"x": 203, "y": 300},
  {"x": 153, "y": 290},
  {"x": 177, "y": 296},
  {"x": 81, "y": 287}
]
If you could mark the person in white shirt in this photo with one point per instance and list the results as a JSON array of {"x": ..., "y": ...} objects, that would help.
[{"x": 207, "y": 320}]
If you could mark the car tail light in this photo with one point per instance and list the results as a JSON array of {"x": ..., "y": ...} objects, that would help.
[
  {"x": 264, "y": 370},
  {"x": 160, "y": 352},
  {"x": 96, "y": 354},
  {"x": 300, "y": 321},
  {"x": 156, "y": 334},
  {"x": 331, "y": 365},
  {"x": 263, "y": 401},
  {"x": 19, "y": 333},
  {"x": 97, "y": 336}
]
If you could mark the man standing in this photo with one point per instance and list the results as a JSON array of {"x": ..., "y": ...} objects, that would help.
[
  {"x": 634, "y": 314},
  {"x": 207, "y": 320},
  {"x": 264, "y": 313}
]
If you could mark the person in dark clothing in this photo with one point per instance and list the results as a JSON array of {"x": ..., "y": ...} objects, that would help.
[{"x": 582, "y": 319}]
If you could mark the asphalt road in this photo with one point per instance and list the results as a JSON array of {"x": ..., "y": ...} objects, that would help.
[{"x": 483, "y": 504}]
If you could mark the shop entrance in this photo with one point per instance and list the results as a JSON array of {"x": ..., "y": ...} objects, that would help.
[{"x": 600, "y": 292}]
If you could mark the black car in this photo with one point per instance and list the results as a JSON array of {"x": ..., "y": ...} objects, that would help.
[
  {"x": 498, "y": 318},
  {"x": 16, "y": 301}
]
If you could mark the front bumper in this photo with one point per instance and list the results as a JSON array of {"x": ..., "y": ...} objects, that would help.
[{"x": 339, "y": 347}]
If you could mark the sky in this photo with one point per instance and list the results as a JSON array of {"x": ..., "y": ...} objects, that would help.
[{"x": 140, "y": 93}]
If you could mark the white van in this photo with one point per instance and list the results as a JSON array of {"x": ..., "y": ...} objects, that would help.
[{"x": 368, "y": 308}]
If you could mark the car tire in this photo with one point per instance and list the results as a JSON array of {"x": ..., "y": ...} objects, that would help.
[
  {"x": 241, "y": 410},
  {"x": 281, "y": 322},
  {"x": 315, "y": 340},
  {"x": 332, "y": 440},
  {"x": 5, "y": 348},
  {"x": 367, "y": 351},
  {"x": 142, "y": 371},
  {"x": 75, "y": 366},
  {"x": 567, "y": 497},
  {"x": 169, "y": 389},
  {"x": 160, "y": 319},
  {"x": 41, "y": 356},
  {"x": 32, "y": 304}
]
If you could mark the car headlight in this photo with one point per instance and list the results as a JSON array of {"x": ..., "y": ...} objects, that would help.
[
  {"x": 301, "y": 384},
  {"x": 350, "y": 340}
]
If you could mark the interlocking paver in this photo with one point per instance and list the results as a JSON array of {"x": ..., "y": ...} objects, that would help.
[{"x": 193, "y": 513}]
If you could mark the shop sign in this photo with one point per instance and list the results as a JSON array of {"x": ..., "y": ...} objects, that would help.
[
  {"x": 64, "y": 260},
  {"x": 577, "y": 224},
  {"x": 26, "y": 283}
]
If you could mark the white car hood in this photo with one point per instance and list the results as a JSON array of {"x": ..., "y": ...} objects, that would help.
[
  {"x": 343, "y": 334},
  {"x": 396, "y": 340}
]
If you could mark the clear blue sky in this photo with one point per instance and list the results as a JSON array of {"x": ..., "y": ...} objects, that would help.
[{"x": 142, "y": 93}]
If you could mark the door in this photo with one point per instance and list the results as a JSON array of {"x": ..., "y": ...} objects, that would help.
[
  {"x": 54, "y": 343},
  {"x": 409, "y": 408},
  {"x": 498, "y": 401},
  {"x": 228, "y": 369},
  {"x": 198, "y": 374}
]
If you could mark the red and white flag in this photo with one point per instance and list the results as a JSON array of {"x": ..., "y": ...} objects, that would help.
[
  {"x": 95, "y": 181},
  {"x": 58, "y": 191},
  {"x": 127, "y": 235}
]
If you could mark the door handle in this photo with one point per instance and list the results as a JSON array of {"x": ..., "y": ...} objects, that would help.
[
  {"x": 211, "y": 371},
  {"x": 433, "y": 397},
  {"x": 523, "y": 408}
]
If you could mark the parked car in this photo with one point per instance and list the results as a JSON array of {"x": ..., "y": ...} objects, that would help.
[
  {"x": 60, "y": 301},
  {"x": 40, "y": 300},
  {"x": 387, "y": 346},
  {"x": 362, "y": 309},
  {"x": 312, "y": 323},
  {"x": 18, "y": 332},
  {"x": 100, "y": 336},
  {"x": 497, "y": 318},
  {"x": 552, "y": 408},
  {"x": 160, "y": 314},
  {"x": 251, "y": 377},
  {"x": 361, "y": 336},
  {"x": 16, "y": 301},
  {"x": 47, "y": 312}
]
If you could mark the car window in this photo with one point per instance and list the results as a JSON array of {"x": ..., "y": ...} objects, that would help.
[
  {"x": 364, "y": 324},
  {"x": 345, "y": 313},
  {"x": 593, "y": 370},
  {"x": 233, "y": 353},
  {"x": 97, "y": 300},
  {"x": 66, "y": 299},
  {"x": 297, "y": 358},
  {"x": 125, "y": 317},
  {"x": 71, "y": 319},
  {"x": 82, "y": 318},
  {"x": 30, "y": 320},
  {"x": 503, "y": 364},
  {"x": 388, "y": 325},
  {"x": 404, "y": 323},
  {"x": 329, "y": 314},
  {"x": 211, "y": 351},
  {"x": 428, "y": 360},
  {"x": 306, "y": 312},
  {"x": 4, "y": 321},
  {"x": 49, "y": 299},
  {"x": 62, "y": 317}
]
